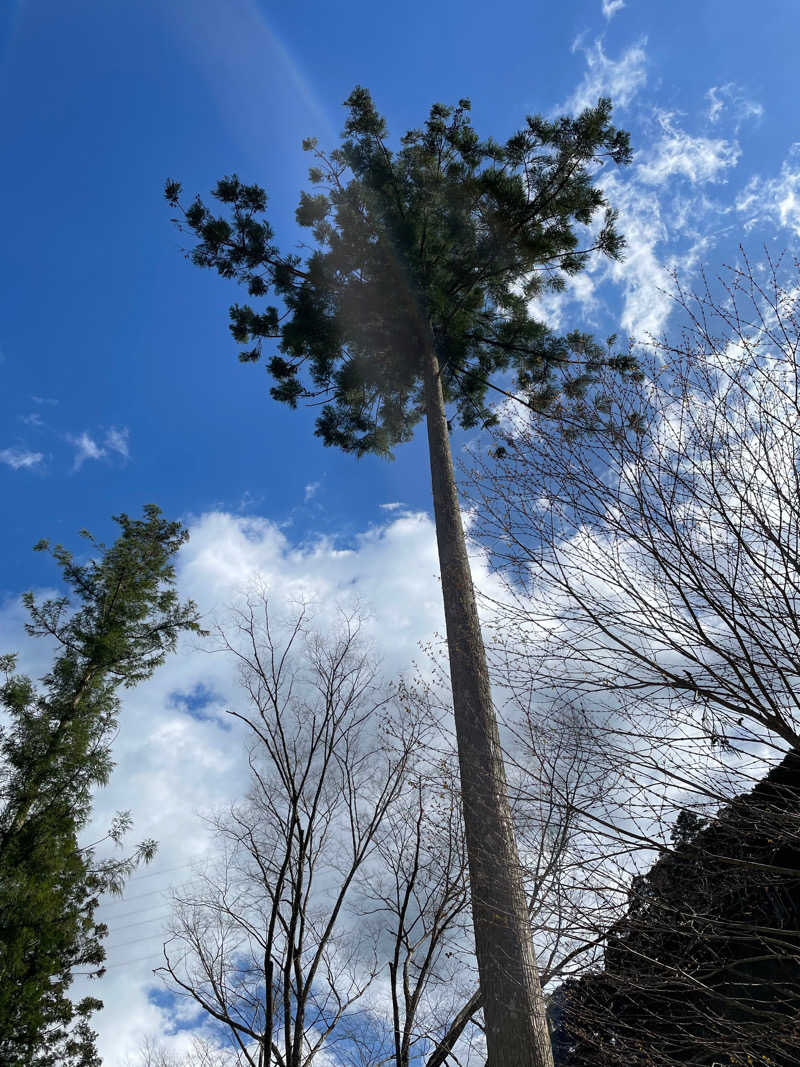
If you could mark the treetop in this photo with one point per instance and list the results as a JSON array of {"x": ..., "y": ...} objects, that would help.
[{"x": 442, "y": 241}]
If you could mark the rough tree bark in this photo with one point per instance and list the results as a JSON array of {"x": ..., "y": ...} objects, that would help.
[{"x": 513, "y": 1004}]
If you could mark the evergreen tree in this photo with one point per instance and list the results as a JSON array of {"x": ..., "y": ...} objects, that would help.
[
  {"x": 704, "y": 967},
  {"x": 419, "y": 290},
  {"x": 54, "y": 750}
]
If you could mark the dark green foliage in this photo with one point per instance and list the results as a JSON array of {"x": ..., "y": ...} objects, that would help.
[
  {"x": 443, "y": 242},
  {"x": 705, "y": 966},
  {"x": 54, "y": 749}
]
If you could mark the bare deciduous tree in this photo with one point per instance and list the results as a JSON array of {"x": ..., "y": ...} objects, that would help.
[
  {"x": 422, "y": 896},
  {"x": 335, "y": 919},
  {"x": 267, "y": 942},
  {"x": 152, "y": 1053},
  {"x": 654, "y": 600},
  {"x": 659, "y": 559},
  {"x": 553, "y": 774}
]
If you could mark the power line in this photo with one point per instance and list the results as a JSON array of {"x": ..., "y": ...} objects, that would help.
[
  {"x": 157, "y": 874},
  {"x": 128, "y": 963},
  {"x": 140, "y": 896},
  {"x": 135, "y": 941},
  {"x": 142, "y": 922},
  {"x": 130, "y": 914}
]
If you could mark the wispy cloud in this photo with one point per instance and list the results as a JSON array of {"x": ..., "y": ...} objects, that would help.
[
  {"x": 731, "y": 98},
  {"x": 620, "y": 79},
  {"x": 668, "y": 210},
  {"x": 676, "y": 152},
  {"x": 668, "y": 231},
  {"x": 641, "y": 274},
  {"x": 247, "y": 502},
  {"x": 774, "y": 200},
  {"x": 34, "y": 419},
  {"x": 50, "y": 401},
  {"x": 86, "y": 448},
  {"x": 580, "y": 290},
  {"x": 611, "y": 7},
  {"x": 310, "y": 491},
  {"x": 115, "y": 440},
  {"x": 118, "y": 440},
  {"x": 668, "y": 226},
  {"x": 20, "y": 458}
]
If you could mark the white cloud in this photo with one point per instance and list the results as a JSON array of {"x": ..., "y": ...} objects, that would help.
[
  {"x": 775, "y": 200},
  {"x": 172, "y": 766},
  {"x": 611, "y": 7},
  {"x": 310, "y": 491},
  {"x": 580, "y": 292},
  {"x": 665, "y": 229},
  {"x": 118, "y": 440},
  {"x": 641, "y": 273},
  {"x": 669, "y": 221},
  {"x": 620, "y": 79},
  {"x": 665, "y": 232},
  {"x": 669, "y": 212},
  {"x": 731, "y": 98},
  {"x": 387, "y": 567},
  {"x": 48, "y": 400},
  {"x": 85, "y": 448},
  {"x": 715, "y": 104},
  {"x": 393, "y": 505},
  {"x": 20, "y": 458},
  {"x": 676, "y": 152},
  {"x": 34, "y": 419}
]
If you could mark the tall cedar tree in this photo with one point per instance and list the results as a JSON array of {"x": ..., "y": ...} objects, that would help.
[
  {"x": 418, "y": 291},
  {"x": 54, "y": 750}
]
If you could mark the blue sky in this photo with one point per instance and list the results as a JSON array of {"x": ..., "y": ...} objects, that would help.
[
  {"x": 117, "y": 367},
  {"x": 119, "y": 383}
]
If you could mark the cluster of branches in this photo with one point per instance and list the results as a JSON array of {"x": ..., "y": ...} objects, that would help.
[
  {"x": 704, "y": 966},
  {"x": 653, "y": 606},
  {"x": 368, "y": 950},
  {"x": 332, "y": 924},
  {"x": 336, "y": 864}
]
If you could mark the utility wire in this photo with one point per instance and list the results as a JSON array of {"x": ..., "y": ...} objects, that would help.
[
  {"x": 141, "y": 896},
  {"x": 131, "y": 914},
  {"x": 157, "y": 874},
  {"x": 128, "y": 963},
  {"x": 142, "y": 922},
  {"x": 136, "y": 941}
]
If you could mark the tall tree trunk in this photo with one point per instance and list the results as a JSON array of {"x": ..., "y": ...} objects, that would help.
[{"x": 514, "y": 1011}]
